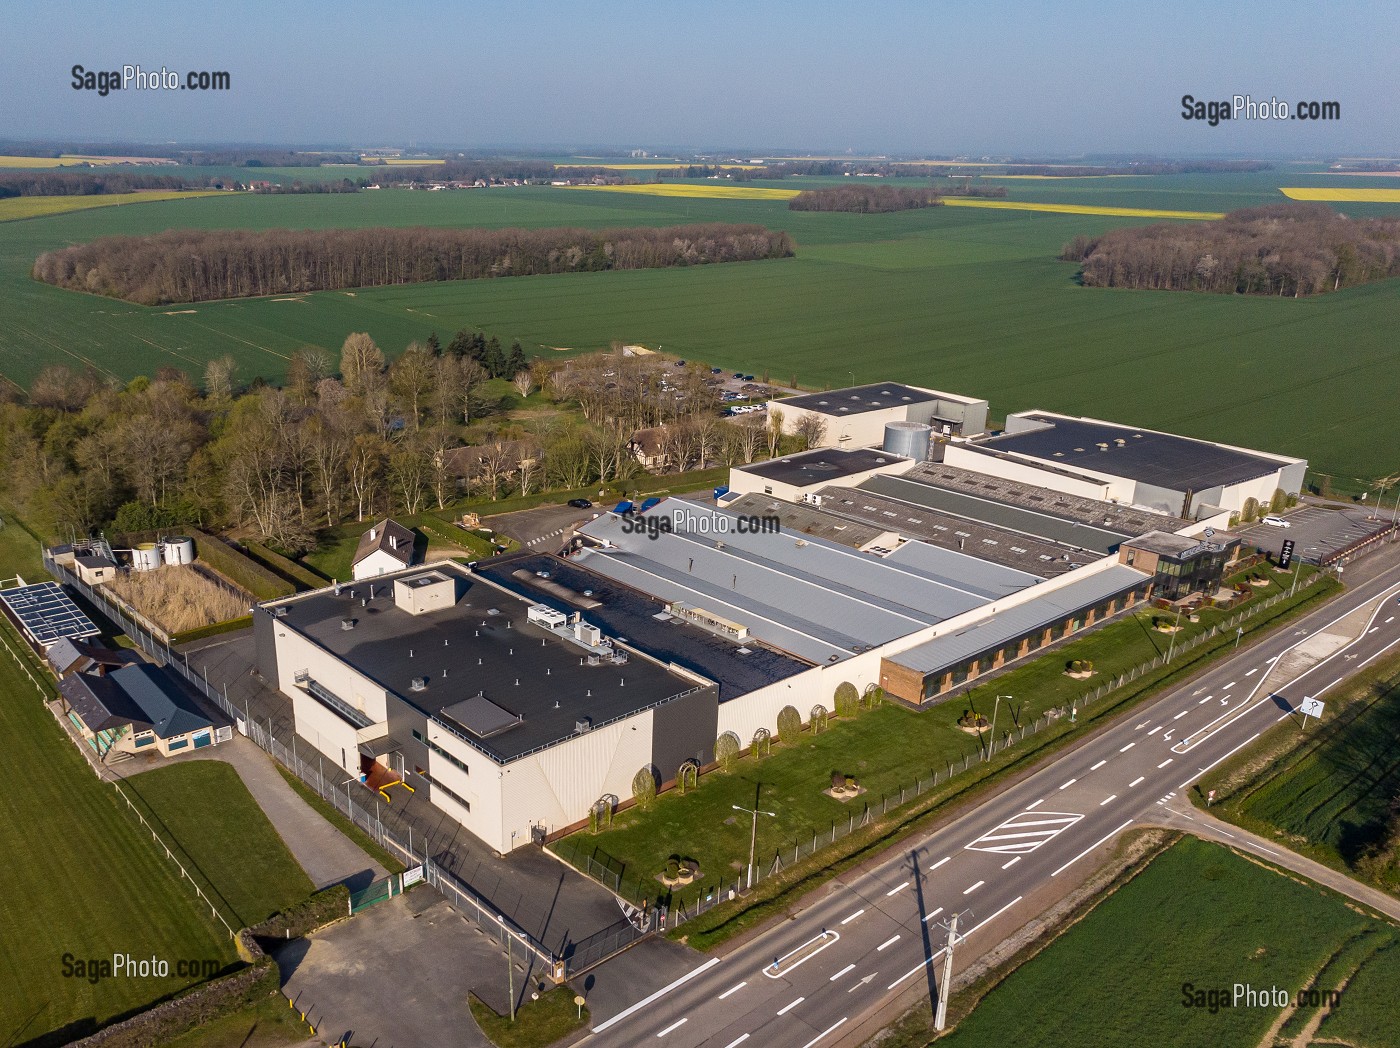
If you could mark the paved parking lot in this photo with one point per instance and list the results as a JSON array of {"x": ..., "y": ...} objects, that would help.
[{"x": 1316, "y": 531}]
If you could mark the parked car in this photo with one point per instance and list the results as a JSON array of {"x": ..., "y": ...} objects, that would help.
[
  {"x": 1276, "y": 522},
  {"x": 738, "y": 374},
  {"x": 716, "y": 371},
  {"x": 680, "y": 363},
  {"x": 748, "y": 378},
  {"x": 580, "y": 504}
]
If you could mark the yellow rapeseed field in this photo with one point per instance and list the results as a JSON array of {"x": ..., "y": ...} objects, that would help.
[
  {"x": 659, "y": 167},
  {"x": 687, "y": 189},
  {"x": 1355, "y": 196},
  {"x": 13, "y": 208},
  {"x": 69, "y": 160},
  {"x": 1078, "y": 209},
  {"x": 405, "y": 161}
]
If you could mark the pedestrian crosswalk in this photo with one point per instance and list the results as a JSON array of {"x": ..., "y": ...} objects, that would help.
[{"x": 1025, "y": 832}]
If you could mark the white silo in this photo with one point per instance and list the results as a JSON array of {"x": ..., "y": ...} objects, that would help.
[
  {"x": 179, "y": 550},
  {"x": 145, "y": 556},
  {"x": 909, "y": 439}
]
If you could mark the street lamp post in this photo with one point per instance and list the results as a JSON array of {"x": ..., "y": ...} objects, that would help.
[
  {"x": 753, "y": 836},
  {"x": 1171, "y": 648},
  {"x": 992, "y": 731}
]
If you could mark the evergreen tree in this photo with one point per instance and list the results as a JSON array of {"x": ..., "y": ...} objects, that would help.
[
  {"x": 515, "y": 363},
  {"x": 434, "y": 344},
  {"x": 494, "y": 361}
]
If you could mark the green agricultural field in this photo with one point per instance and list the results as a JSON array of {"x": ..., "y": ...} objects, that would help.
[
  {"x": 887, "y": 749},
  {"x": 1332, "y": 793},
  {"x": 19, "y": 551},
  {"x": 81, "y": 879},
  {"x": 960, "y": 298},
  {"x": 1198, "y": 914},
  {"x": 1366, "y": 1014},
  {"x": 230, "y": 848}
]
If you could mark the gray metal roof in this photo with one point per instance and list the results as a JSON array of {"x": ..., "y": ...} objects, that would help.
[
  {"x": 988, "y": 634},
  {"x": 818, "y": 599},
  {"x": 169, "y": 711},
  {"x": 808, "y": 520},
  {"x": 100, "y": 702}
]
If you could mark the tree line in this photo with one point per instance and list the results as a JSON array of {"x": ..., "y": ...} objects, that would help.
[
  {"x": 1282, "y": 249},
  {"x": 864, "y": 199},
  {"x": 197, "y": 265}
]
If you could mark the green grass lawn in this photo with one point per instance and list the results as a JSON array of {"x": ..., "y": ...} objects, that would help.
[
  {"x": 269, "y": 1024},
  {"x": 222, "y": 837},
  {"x": 1328, "y": 792},
  {"x": 82, "y": 879},
  {"x": 1198, "y": 914},
  {"x": 19, "y": 551},
  {"x": 1367, "y": 1013},
  {"x": 957, "y": 298},
  {"x": 537, "y": 1023},
  {"x": 886, "y": 749}
]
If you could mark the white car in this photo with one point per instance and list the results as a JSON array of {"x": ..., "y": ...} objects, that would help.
[{"x": 1276, "y": 522}]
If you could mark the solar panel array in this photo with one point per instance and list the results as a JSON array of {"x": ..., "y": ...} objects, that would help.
[{"x": 47, "y": 613}]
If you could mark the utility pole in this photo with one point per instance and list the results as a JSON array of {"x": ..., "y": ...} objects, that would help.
[{"x": 941, "y": 1017}]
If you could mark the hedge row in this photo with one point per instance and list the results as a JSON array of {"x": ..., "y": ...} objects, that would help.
[
  {"x": 462, "y": 540},
  {"x": 290, "y": 570},
  {"x": 241, "y": 569},
  {"x": 306, "y": 916},
  {"x": 212, "y": 630}
]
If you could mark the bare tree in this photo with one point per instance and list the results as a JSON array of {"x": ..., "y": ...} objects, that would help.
[
  {"x": 360, "y": 360},
  {"x": 411, "y": 380},
  {"x": 775, "y": 431},
  {"x": 811, "y": 429},
  {"x": 524, "y": 383},
  {"x": 218, "y": 378}
]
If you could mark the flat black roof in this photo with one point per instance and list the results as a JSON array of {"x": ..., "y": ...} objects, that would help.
[
  {"x": 1162, "y": 459},
  {"x": 626, "y": 613},
  {"x": 855, "y": 400},
  {"x": 820, "y": 466},
  {"x": 483, "y": 645}
]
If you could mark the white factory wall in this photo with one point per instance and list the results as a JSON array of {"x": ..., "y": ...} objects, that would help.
[
  {"x": 866, "y": 429},
  {"x": 556, "y": 786},
  {"x": 816, "y": 686},
  {"x": 1106, "y": 488},
  {"x": 327, "y": 732},
  {"x": 1233, "y": 496},
  {"x": 479, "y": 786},
  {"x": 297, "y": 654}
]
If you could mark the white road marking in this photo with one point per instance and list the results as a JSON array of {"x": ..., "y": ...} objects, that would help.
[
  {"x": 1024, "y": 833},
  {"x": 656, "y": 996},
  {"x": 674, "y": 1026},
  {"x": 1250, "y": 673},
  {"x": 789, "y": 1007},
  {"x": 1069, "y": 784},
  {"x": 918, "y": 967},
  {"x": 1091, "y": 847},
  {"x": 896, "y": 889},
  {"x": 1099, "y": 765},
  {"x": 853, "y": 916},
  {"x": 737, "y": 1041},
  {"x": 934, "y": 914},
  {"x": 969, "y": 891},
  {"x": 827, "y": 938},
  {"x": 939, "y": 863},
  {"x": 1126, "y": 748},
  {"x": 842, "y": 972},
  {"x": 733, "y": 989},
  {"x": 1136, "y": 781},
  {"x": 1110, "y": 797},
  {"x": 1155, "y": 730},
  {"x": 1390, "y": 620},
  {"x": 1213, "y": 763},
  {"x": 988, "y": 920},
  {"x": 1181, "y": 714},
  {"x": 888, "y": 942},
  {"x": 1229, "y": 686},
  {"x": 1164, "y": 763},
  {"x": 819, "y": 1036},
  {"x": 1033, "y": 804},
  {"x": 1205, "y": 700},
  {"x": 1372, "y": 630},
  {"x": 1012, "y": 863}
]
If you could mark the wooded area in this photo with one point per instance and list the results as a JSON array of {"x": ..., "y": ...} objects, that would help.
[
  {"x": 1282, "y": 249},
  {"x": 864, "y": 199},
  {"x": 197, "y": 265}
]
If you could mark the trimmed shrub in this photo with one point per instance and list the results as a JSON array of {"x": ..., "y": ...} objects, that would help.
[
  {"x": 838, "y": 781},
  {"x": 818, "y": 719},
  {"x": 644, "y": 788},
  {"x": 727, "y": 750},
  {"x": 1249, "y": 510},
  {"x": 789, "y": 725},
  {"x": 847, "y": 699},
  {"x": 874, "y": 695},
  {"x": 305, "y": 917}
]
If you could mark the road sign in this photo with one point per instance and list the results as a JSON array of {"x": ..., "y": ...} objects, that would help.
[
  {"x": 1285, "y": 557},
  {"x": 1312, "y": 707}
]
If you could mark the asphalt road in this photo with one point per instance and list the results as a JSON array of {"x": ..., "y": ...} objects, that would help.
[{"x": 847, "y": 956}]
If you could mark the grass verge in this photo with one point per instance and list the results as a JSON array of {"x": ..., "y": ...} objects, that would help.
[{"x": 537, "y": 1023}]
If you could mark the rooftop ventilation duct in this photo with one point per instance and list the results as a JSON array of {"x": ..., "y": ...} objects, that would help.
[
  {"x": 419, "y": 684},
  {"x": 347, "y": 624}
]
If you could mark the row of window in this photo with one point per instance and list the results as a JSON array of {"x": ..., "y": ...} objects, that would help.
[
  {"x": 450, "y": 758},
  {"x": 466, "y": 804}
]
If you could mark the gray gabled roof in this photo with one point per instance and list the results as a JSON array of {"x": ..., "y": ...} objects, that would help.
[
  {"x": 953, "y": 649},
  {"x": 168, "y": 711},
  {"x": 100, "y": 702},
  {"x": 389, "y": 536}
]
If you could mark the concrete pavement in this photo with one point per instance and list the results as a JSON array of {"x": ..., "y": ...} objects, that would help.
[{"x": 866, "y": 943}]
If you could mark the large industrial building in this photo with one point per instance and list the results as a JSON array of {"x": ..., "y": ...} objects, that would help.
[
  {"x": 856, "y": 417},
  {"x": 515, "y": 718}
]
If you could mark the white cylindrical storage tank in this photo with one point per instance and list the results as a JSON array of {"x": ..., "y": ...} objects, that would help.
[
  {"x": 145, "y": 557},
  {"x": 910, "y": 439},
  {"x": 179, "y": 550}
]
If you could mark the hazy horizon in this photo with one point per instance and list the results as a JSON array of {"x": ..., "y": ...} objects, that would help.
[{"x": 1029, "y": 78}]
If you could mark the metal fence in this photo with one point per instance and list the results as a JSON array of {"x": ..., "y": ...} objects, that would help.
[
  {"x": 692, "y": 900},
  {"x": 456, "y": 891}
]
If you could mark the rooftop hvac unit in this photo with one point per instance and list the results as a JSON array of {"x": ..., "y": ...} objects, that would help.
[
  {"x": 419, "y": 684},
  {"x": 280, "y": 612},
  {"x": 588, "y": 633},
  {"x": 347, "y": 624},
  {"x": 583, "y": 724}
]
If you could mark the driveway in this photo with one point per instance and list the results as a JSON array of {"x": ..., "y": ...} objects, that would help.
[{"x": 544, "y": 527}]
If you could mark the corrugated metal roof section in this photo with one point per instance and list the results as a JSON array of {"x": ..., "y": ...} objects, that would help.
[
  {"x": 961, "y": 569},
  {"x": 802, "y": 576},
  {"x": 988, "y": 634}
]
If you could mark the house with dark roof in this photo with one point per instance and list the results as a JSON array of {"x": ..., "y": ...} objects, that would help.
[
  {"x": 387, "y": 546},
  {"x": 69, "y": 655},
  {"x": 134, "y": 709}
]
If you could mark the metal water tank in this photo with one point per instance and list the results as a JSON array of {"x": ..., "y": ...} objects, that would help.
[
  {"x": 145, "y": 557},
  {"x": 910, "y": 439},
  {"x": 179, "y": 550}
]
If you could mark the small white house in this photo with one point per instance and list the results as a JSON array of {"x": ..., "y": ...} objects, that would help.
[{"x": 385, "y": 547}]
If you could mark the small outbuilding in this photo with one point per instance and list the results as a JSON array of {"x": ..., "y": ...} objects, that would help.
[{"x": 385, "y": 547}]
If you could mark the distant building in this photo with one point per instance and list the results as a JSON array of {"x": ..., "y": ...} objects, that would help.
[
  {"x": 648, "y": 446},
  {"x": 385, "y": 547},
  {"x": 856, "y": 416}
]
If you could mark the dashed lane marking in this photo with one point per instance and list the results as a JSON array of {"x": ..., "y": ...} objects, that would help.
[
  {"x": 1181, "y": 714},
  {"x": 973, "y": 888},
  {"x": 1110, "y": 797},
  {"x": 1126, "y": 748},
  {"x": 1012, "y": 863},
  {"x": 939, "y": 863},
  {"x": 674, "y": 1026},
  {"x": 1165, "y": 763},
  {"x": 842, "y": 972},
  {"x": 1099, "y": 765},
  {"x": 1136, "y": 781},
  {"x": 853, "y": 916},
  {"x": 789, "y": 1007},
  {"x": 733, "y": 989},
  {"x": 896, "y": 889},
  {"x": 887, "y": 943},
  {"x": 934, "y": 914},
  {"x": 1069, "y": 784}
]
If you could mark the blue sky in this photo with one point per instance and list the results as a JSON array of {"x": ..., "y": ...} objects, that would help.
[{"x": 935, "y": 76}]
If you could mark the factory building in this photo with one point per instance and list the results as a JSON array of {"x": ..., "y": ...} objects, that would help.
[
  {"x": 856, "y": 417},
  {"x": 795, "y": 477}
]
